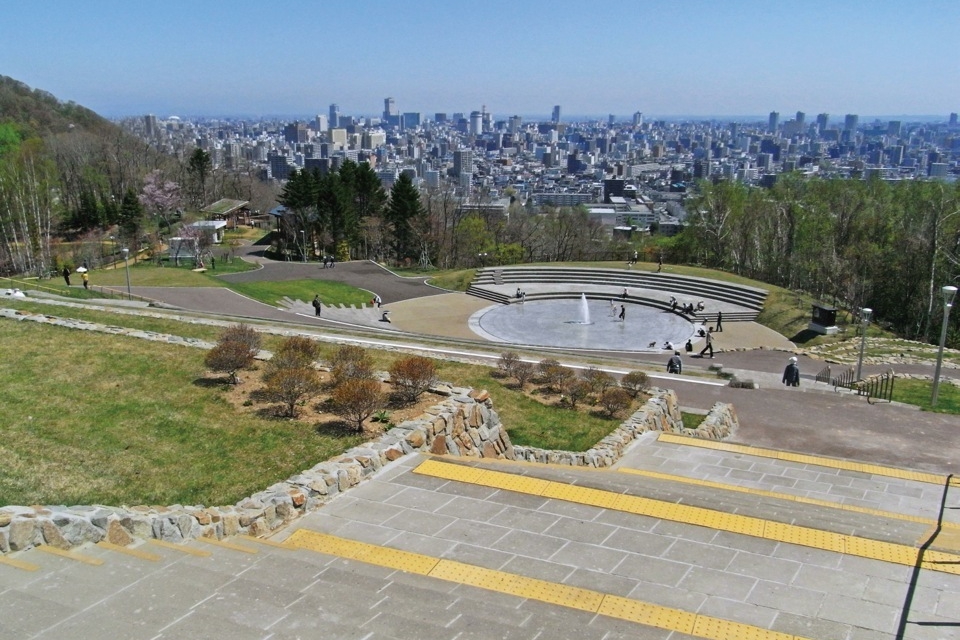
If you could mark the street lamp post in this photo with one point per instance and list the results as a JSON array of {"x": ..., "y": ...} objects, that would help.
[
  {"x": 303, "y": 241},
  {"x": 866, "y": 312},
  {"x": 948, "y": 294},
  {"x": 126, "y": 264}
]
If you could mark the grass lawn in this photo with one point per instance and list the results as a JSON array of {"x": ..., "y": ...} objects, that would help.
[
  {"x": 330, "y": 292},
  {"x": 94, "y": 418},
  {"x": 917, "y": 392},
  {"x": 148, "y": 274}
]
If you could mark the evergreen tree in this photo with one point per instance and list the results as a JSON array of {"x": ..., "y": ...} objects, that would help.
[
  {"x": 131, "y": 218},
  {"x": 404, "y": 215}
]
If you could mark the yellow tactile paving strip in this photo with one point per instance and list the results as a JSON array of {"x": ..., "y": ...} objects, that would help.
[
  {"x": 534, "y": 589},
  {"x": 700, "y": 516},
  {"x": 18, "y": 564},
  {"x": 833, "y": 463},
  {"x": 70, "y": 555},
  {"x": 787, "y": 496}
]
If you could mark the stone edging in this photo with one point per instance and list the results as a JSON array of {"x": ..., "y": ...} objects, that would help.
[{"x": 660, "y": 413}]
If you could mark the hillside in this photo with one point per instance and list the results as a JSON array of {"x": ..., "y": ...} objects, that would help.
[{"x": 39, "y": 113}]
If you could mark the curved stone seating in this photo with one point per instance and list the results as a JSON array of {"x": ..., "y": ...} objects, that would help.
[{"x": 739, "y": 303}]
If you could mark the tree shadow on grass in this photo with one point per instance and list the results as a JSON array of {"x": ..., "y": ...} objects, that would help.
[
  {"x": 336, "y": 429},
  {"x": 804, "y": 336}
]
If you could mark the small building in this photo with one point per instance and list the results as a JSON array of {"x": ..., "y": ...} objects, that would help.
[
  {"x": 824, "y": 320},
  {"x": 234, "y": 212},
  {"x": 214, "y": 227}
]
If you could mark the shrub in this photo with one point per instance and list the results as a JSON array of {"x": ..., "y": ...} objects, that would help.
[
  {"x": 523, "y": 372},
  {"x": 598, "y": 380},
  {"x": 235, "y": 350},
  {"x": 292, "y": 386},
  {"x": 229, "y": 358},
  {"x": 635, "y": 382},
  {"x": 615, "y": 400},
  {"x": 576, "y": 390},
  {"x": 356, "y": 400},
  {"x": 243, "y": 334},
  {"x": 350, "y": 362},
  {"x": 508, "y": 360},
  {"x": 554, "y": 375},
  {"x": 412, "y": 376},
  {"x": 295, "y": 352}
]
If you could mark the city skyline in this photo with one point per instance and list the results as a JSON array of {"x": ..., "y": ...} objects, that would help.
[{"x": 700, "y": 59}]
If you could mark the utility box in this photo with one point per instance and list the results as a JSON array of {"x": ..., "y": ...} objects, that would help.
[{"x": 824, "y": 320}]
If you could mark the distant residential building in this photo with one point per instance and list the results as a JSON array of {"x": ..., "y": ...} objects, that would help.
[{"x": 462, "y": 161}]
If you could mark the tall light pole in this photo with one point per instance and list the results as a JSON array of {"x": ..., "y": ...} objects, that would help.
[
  {"x": 865, "y": 314},
  {"x": 126, "y": 264},
  {"x": 303, "y": 241},
  {"x": 948, "y": 294}
]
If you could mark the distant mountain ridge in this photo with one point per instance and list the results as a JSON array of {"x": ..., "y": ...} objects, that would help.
[{"x": 40, "y": 113}]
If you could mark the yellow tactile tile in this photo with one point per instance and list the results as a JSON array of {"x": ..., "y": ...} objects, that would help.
[
  {"x": 549, "y": 592},
  {"x": 718, "y": 520},
  {"x": 510, "y": 482},
  {"x": 182, "y": 548},
  {"x": 18, "y": 564},
  {"x": 787, "y": 496},
  {"x": 226, "y": 544},
  {"x": 833, "y": 463},
  {"x": 939, "y": 561},
  {"x": 70, "y": 555},
  {"x": 133, "y": 552}
]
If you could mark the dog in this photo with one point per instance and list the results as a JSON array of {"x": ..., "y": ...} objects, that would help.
[{"x": 652, "y": 345}]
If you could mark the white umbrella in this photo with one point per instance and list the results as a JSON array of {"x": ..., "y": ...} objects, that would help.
[{"x": 81, "y": 269}]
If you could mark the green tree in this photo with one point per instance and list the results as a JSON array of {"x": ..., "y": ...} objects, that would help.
[
  {"x": 404, "y": 215},
  {"x": 199, "y": 167}
]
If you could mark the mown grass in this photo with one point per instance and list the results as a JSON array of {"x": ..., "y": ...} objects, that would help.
[
  {"x": 330, "y": 292},
  {"x": 917, "y": 392},
  {"x": 94, "y": 418},
  {"x": 148, "y": 274}
]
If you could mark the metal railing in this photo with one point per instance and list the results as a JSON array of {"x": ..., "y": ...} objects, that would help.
[{"x": 876, "y": 387}]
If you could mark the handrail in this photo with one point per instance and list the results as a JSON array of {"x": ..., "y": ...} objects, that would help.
[
  {"x": 823, "y": 375},
  {"x": 106, "y": 291}
]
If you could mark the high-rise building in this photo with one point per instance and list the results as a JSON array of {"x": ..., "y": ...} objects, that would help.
[
  {"x": 894, "y": 128},
  {"x": 411, "y": 120},
  {"x": 773, "y": 121},
  {"x": 611, "y": 120},
  {"x": 389, "y": 108},
  {"x": 953, "y": 119},
  {"x": 462, "y": 161},
  {"x": 295, "y": 132},
  {"x": 320, "y": 123},
  {"x": 896, "y": 155},
  {"x": 476, "y": 123},
  {"x": 556, "y": 114},
  {"x": 822, "y": 120},
  {"x": 150, "y": 123},
  {"x": 440, "y": 118},
  {"x": 801, "y": 119},
  {"x": 514, "y": 125},
  {"x": 850, "y": 122},
  {"x": 637, "y": 118},
  {"x": 334, "y": 116}
]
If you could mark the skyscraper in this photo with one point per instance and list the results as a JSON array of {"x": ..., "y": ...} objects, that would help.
[
  {"x": 334, "y": 116},
  {"x": 462, "y": 161},
  {"x": 850, "y": 122},
  {"x": 389, "y": 108},
  {"x": 773, "y": 122},
  {"x": 801, "y": 120},
  {"x": 476, "y": 123},
  {"x": 556, "y": 114},
  {"x": 822, "y": 120},
  {"x": 150, "y": 122},
  {"x": 637, "y": 118}
]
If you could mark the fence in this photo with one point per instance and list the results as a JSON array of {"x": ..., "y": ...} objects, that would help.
[
  {"x": 875, "y": 387},
  {"x": 76, "y": 292}
]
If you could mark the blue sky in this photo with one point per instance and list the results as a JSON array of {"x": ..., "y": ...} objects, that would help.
[{"x": 688, "y": 57}]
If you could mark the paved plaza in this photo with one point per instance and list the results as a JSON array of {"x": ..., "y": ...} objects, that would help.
[{"x": 822, "y": 517}]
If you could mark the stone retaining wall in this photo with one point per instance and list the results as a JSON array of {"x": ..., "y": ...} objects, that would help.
[
  {"x": 660, "y": 413},
  {"x": 464, "y": 424}
]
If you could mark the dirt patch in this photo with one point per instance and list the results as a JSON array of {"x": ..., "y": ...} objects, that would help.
[{"x": 249, "y": 397}]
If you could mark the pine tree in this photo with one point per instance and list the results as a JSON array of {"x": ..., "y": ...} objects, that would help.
[{"x": 403, "y": 215}]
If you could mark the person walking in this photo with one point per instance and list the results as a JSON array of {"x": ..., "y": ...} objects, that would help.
[
  {"x": 719, "y": 321},
  {"x": 791, "y": 374},
  {"x": 675, "y": 364},
  {"x": 86, "y": 280},
  {"x": 709, "y": 346},
  {"x": 316, "y": 305},
  {"x": 623, "y": 313},
  {"x": 66, "y": 275}
]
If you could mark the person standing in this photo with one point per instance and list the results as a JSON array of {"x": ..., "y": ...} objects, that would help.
[
  {"x": 791, "y": 374},
  {"x": 719, "y": 320},
  {"x": 316, "y": 305},
  {"x": 709, "y": 346},
  {"x": 675, "y": 364},
  {"x": 660, "y": 263},
  {"x": 66, "y": 275},
  {"x": 623, "y": 313},
  {"x": 86, "y": 280}
]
